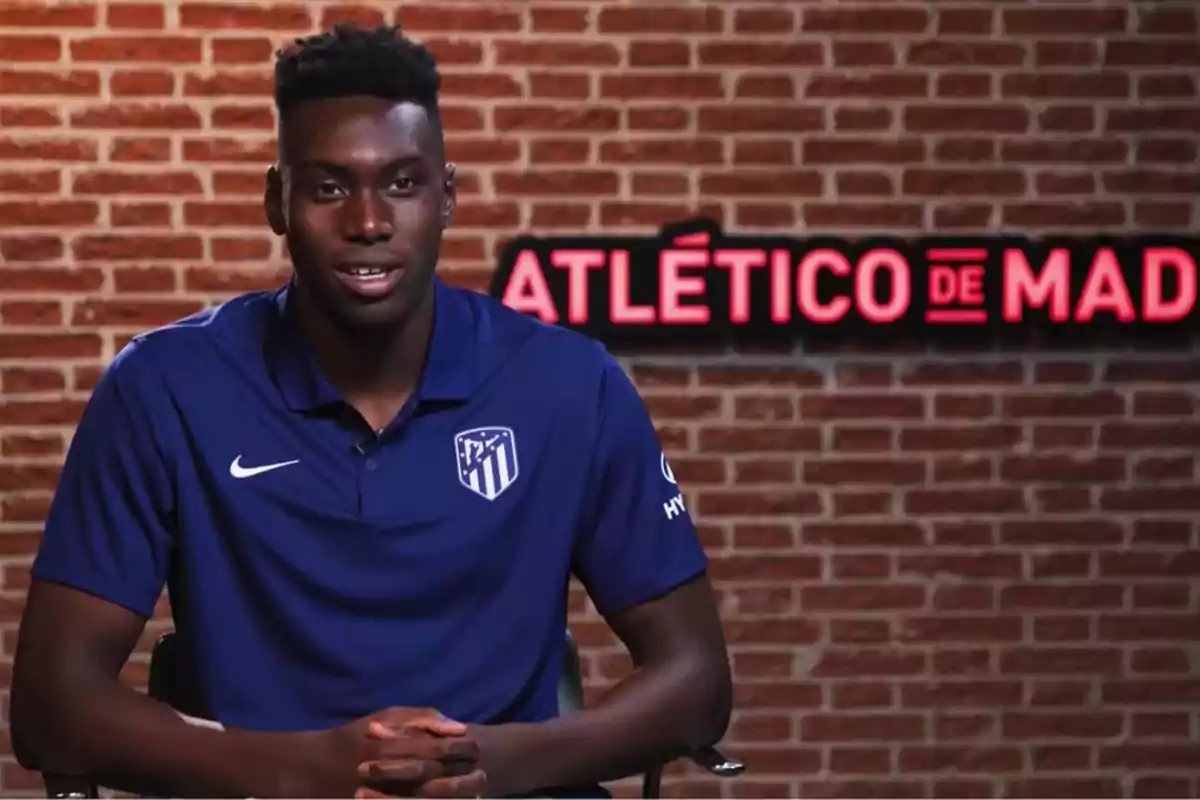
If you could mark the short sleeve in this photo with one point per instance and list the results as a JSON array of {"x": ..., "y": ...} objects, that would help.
[
  {"x": 108, "y": 532},
  {"x": 638, "y": 542}
]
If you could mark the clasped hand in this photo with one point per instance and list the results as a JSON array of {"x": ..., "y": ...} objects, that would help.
[{"x": 399, "y": 752}]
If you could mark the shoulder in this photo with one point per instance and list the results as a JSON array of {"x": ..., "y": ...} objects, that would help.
[
  {"x": 540, "y": 352},
  {"x": 180, "y": 350}
]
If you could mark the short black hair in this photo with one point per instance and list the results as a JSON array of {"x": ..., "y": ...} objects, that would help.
[{"x": 353, "y": 61}]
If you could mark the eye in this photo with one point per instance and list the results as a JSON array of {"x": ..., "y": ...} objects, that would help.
[
  {"x": 402, "y": 184},
  {"x": 327, "y": 190}
]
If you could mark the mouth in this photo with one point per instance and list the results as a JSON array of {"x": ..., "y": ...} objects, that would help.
[{"x": 369, "y": 281}]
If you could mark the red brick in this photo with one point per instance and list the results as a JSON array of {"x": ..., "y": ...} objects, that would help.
[
  {"x": 1168, "y": 21},
  {"x": 22, "y": 13},
  {"x": 224, "y": 214},
  {"x": 1163, "y": 118},
  {"x": 760, "y": 119},
  {"x": 659, "y": 53},
  {"x": 548, "y": 118},
  {"x": 944, "y": 52},
  {"x": 228, "y": 84},
  {"x": 761, "y": 54},
  {"x": 135, "y": 15},
  {"x": 861, "y": 53},
  {"x": 27, "y": 81},
  {"x": 481, "y": 18},
  {"x": 30, "y": 182},
  {"x": 168, "y": 116},
  {"x": 759, "y": 86},
  {"x": 102, "y": 247},
  {"x": 832, "y": 151},
  {"x": 240, "y": 50},
  {"x": 57, "y": 345},
  {"x": 29, "y": 117},
  {"x": 449, "y": 51},
  {"x": 550, "y": 19},
  {"x": 995, "y": 118},
  {"x": 558, "y": 182},
  {"x": 1052, "y": 21},
  {"x": 864, "y": 19},
  {"x": 639, "y": 119},
  {"x": 158, "y": 49},
  {"x": 105, "y": 182},
  {"x": 48, "y": 214},
  {"x": 140, "y": 215},
  {"x": 559, "y": 54},
  {"x": 774, "y": 182},
  {"x": 873, "y": 727},
  {"x": 135, "y": 149},
  {"x": 228, "y": 150},
  {"x": 30, "y": 48},
  {"x": 130, "y": 313},
  {"x": 681, "y": 86},
  {"x": 243, "y": 118},
  {"x": 648, "y": 18},
  {"x": 895, "y": 85},
  {"x": 276, "y": 16},
  {"x": 141, "y": 83}
]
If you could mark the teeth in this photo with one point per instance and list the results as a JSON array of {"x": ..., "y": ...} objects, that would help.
[{"x": 366, "y": 272}]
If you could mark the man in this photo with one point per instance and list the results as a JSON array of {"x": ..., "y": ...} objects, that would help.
[{"x": 366, "y": 492}]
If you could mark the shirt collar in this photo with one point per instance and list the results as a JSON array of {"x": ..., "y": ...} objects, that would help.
[{"x": 449, "y": 366}]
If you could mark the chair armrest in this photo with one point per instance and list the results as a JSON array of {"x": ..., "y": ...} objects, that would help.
[
  {"x": 68, "y": 786},
  {"x": 711, "y": 759}
]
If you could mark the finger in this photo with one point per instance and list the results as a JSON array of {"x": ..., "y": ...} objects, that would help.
[
  {"x": 473, "y": 784},
  {"x": 381, "y": 731},
  {"x": 439, "y": 725},
  {"x": 421, "y": 747},
  {"x": 367, "y": 794},
  {"x": 433, "y": 723},
  {"x": 401, "y": 770}
]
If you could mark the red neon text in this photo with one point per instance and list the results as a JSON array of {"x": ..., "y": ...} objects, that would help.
[
  {"x": 683, "y": 275},
  {"x": 1104, "y": 288}
]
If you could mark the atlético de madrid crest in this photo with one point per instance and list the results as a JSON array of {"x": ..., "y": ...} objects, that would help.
[{"x": 487, "y": 460}]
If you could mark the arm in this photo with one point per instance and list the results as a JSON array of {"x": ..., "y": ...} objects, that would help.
[
  {"x": 100, "y": 569},
  {"x": 677, "y": 701},
  {"x": 640, "y": 560},
  {"x": 72, "y": 716}
]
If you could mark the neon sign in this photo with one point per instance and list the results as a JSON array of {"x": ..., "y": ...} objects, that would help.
[{"x": 693, "y": 281}]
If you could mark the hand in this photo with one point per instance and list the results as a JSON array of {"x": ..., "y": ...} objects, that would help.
[
  {"x": 456, "y": 774},
  {"x": 404, "y": 752}
]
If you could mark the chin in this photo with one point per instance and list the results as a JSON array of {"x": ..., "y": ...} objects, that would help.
[
  {"x": 367, "y": 319},
  {"x": 381, "y": 315}
]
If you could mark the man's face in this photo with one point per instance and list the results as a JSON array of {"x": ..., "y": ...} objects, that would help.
[{"x": 362, "y": 195}]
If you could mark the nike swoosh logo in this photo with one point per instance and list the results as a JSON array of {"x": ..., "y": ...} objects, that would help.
[{"x": 238, "y": 471}]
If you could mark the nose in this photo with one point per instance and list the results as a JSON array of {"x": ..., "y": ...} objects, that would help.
[{"x": 367, "y": 219}]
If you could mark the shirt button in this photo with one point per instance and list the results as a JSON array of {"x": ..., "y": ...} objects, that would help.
[{"x": 371, "y": 464}]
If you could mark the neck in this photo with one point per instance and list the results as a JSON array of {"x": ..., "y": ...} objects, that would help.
[{"x": 370, "y": 363}]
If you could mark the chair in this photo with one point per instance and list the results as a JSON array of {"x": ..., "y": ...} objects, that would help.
[
  {"x": 570, "y": 699},
  {"x": 166, "y": 687}
]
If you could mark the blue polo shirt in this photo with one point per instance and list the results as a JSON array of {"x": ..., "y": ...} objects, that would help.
[{"x": 319, "y": 571}]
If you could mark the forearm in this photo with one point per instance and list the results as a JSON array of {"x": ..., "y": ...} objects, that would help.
[
  {"x": 656, "y": 715},
  {"x": 127, "y": 741}
]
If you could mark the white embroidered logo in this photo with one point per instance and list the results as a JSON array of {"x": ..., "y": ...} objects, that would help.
[
  {"x": 673, "y": 507},
  {"x": 667, "y": 472},
  {"x": 487, "y": 460},
  {"x": 238, "y": 471}
]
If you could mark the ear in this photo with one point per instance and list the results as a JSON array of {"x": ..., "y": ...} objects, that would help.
[
  {"x": 273, "y": 202},
  {"x": 450, "y": 192}
]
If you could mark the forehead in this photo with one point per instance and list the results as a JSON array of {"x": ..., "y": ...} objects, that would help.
[{"x": 358, "y": 129}]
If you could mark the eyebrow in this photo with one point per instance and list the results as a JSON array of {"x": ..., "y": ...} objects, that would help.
[{"x": 343, "y": 169}]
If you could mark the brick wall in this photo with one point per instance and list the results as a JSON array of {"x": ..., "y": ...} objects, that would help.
[{"x": 960, "y": 575}]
